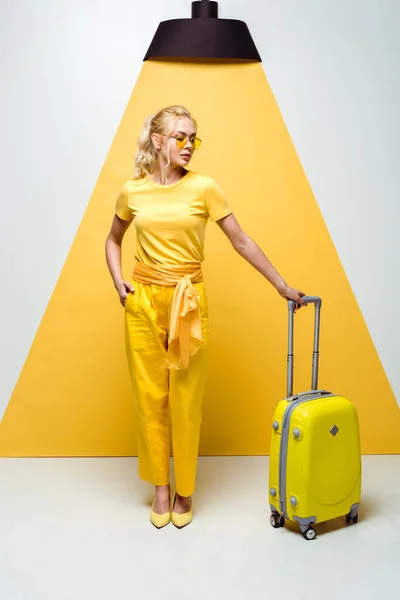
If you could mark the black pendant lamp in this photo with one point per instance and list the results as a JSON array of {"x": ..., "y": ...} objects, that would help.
[{"x": 203, "y": 36}]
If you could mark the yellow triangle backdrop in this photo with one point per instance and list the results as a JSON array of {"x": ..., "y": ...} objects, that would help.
[{"x": 73, "y": 396}]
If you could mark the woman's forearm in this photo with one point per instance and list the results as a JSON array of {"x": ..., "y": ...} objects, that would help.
[
  {"x": 249, "y": 250},
  {"x": 113, "y": 257}
]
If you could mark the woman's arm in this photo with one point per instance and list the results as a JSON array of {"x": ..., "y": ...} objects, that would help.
[
  {"x": 247, "y": 248},
  {"x": 113, "y": 256}
]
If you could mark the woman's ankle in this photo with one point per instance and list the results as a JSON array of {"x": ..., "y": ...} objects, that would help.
[
  {"x": 160, "y": 489},
  {"x": 183, "y": 497}
]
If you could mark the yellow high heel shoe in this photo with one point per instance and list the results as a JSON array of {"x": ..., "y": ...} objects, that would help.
[
  {"x": 160, "y": 521},
  {"x": 181, "y": 520}
]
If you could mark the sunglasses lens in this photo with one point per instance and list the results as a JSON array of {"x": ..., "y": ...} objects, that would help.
[
  {"x": 180, "y": 142},
  {"x": 197, "y": 143}
]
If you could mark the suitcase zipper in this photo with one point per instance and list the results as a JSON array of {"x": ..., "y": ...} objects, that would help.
[{"x": 294, "y": 402}]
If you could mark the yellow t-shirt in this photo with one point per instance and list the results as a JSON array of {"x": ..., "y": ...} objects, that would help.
[{"x": 171, "y": 220}]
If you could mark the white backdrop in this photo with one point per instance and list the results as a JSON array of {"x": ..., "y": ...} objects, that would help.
[{"x": 67, "y": 70}]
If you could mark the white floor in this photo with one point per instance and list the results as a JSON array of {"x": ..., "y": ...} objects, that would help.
[{"x": 79, "y": 529}]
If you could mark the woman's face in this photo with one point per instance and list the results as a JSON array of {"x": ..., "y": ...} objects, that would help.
[{"x": 178, "y": 157}]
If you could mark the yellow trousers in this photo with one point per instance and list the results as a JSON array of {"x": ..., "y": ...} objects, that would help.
[{"x": 159, "y": 391}]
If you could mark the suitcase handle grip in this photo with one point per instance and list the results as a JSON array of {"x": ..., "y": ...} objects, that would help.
[
  {"x": 307, "y": 300},
  {"x": 316, "y": 300}
]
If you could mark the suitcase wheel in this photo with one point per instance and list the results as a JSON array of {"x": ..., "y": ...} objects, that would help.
[
  {"x": 350, "y": 519},
  {"x": 309, "y": 533},
  {"x": 277, "y": 520}
]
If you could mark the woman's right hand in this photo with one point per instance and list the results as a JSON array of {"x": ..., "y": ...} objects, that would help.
[{"x": 124, "y": 289}]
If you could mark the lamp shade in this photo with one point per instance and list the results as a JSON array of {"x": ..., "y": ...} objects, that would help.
[{"x": 203, "y": 36}]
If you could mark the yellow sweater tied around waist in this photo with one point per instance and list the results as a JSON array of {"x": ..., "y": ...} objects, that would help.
[{"x": 185, "y": 335}]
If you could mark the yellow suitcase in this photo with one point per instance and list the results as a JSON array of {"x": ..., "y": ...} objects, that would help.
[{"x": 315, "y": 459}]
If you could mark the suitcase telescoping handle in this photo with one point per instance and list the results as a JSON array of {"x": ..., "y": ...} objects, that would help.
[{"x": 315, "y": 361}]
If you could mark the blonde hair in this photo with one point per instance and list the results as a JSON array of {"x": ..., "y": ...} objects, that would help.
[{"x": 162, "y": 123}]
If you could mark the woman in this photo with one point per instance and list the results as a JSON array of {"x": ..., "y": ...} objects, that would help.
[{"x": 165, "y": 302}]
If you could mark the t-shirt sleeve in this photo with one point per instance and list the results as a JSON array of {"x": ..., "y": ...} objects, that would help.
[
  {"x": 216, "y": 203},
  {"x": 122, "y": 208}
]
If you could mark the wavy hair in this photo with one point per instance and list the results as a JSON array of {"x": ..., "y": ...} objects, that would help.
[{"x": 162, "y": 123}]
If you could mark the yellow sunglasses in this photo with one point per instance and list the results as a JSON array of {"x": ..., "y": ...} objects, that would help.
[{"x": 181, "y": 141}]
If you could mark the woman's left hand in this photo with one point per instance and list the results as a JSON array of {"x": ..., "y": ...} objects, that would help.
[{"x": 290, "y": 293}]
